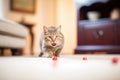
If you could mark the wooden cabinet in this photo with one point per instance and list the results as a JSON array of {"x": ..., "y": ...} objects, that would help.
[
  {"x": 118, "y": 33},
  {"x": 95, "y": 35},
  {"x": 97, "y": 32},
  {"x": 104, "y": 7},
  {"x": 102, "y": 35}
]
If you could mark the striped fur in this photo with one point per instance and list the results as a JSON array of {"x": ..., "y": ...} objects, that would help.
[{"x": 51, "y": 42}]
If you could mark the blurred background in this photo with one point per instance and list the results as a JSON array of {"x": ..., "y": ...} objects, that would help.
[
  {"x": 34, "y": 14},
  {"x": 45, "y": 12}
]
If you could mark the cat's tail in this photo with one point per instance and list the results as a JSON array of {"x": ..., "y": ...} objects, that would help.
[{"x": 41, "y": 53}]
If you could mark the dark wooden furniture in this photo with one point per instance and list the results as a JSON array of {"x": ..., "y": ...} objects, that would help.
[
  {"x": 102, "y": 35},
  {"x": 104, "y": 7},
  {"x": 98, "y": 36}
]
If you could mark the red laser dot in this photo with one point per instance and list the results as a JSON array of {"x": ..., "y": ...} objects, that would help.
[
  {"x": 54, "y": 58},
  {"x": 114, "y": 60},
  {"x": 84, "y": 58}
]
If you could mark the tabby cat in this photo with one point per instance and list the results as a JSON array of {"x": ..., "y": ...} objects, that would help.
[{"x": 51, "y": 41}]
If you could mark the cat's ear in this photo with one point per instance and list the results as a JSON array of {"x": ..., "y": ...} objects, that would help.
[
  {"x": 59, "y": 28},
  {"x": 45, "y": 29}
]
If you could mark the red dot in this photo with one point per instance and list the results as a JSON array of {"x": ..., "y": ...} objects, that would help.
[
  {"x": 54, "y": 58},
  {"x": 84, "y": 58},
  {"x": 114, "y": 60}
]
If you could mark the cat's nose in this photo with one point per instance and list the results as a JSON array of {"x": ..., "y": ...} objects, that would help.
[{"x": 53, "y": 44}]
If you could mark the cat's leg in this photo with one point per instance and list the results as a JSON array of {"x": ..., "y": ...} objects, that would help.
[
  {"x": 50, "y": 54},
  {"x": 57, "y": 52},
  {"x": 41, "y": 54},
  {"x": 45, "y": 54},
  {"x": 44, "y": 51}
]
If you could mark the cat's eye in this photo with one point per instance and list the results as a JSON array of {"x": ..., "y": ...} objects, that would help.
[
  {"x": 49, "y": 36},
  {"x": 56, "y": 36}
]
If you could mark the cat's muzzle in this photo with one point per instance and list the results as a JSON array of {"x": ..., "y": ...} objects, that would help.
[{"x": 53, "y": 44}]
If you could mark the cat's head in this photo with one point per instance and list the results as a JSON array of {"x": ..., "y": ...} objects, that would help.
[{"x": 53, "y": 36}]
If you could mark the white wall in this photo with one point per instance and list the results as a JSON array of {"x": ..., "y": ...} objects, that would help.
[
  {"x": 1, "y": 9},
  {"x": 49, "y": 13}
]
